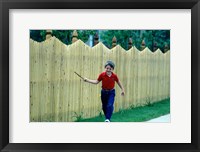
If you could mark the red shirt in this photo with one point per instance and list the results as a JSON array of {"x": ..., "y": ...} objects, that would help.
[{"x": 108, "y": 83}]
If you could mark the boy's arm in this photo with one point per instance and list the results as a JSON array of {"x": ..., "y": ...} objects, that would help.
[
  {"x": 122, "y": 88},
  {"x": 91, "y": 81}
]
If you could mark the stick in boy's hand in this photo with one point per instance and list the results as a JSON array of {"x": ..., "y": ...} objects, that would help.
[{"x": 79, "y": 75}]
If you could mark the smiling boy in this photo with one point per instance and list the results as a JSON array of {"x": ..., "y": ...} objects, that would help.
[{"x": 108, "y": 79}]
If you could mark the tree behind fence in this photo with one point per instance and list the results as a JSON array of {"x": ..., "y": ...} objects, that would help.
[{"x": 57, "y": 94}]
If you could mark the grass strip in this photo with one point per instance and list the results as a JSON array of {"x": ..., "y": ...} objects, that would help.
[{"x": 138, "y": 114}]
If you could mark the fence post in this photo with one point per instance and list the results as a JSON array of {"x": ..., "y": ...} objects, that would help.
[
  {"x": 130, "y": 43},
  {"x": 166, "y": 48},
  {"x": 155, "y": 47},
  {"x": 114, "y": 42},
  {"x": 74, "y": 36},
  {"x": 143, "y": 45},
  {"x": 96, "y": 39},
  {"x": 48, "y": 34}
]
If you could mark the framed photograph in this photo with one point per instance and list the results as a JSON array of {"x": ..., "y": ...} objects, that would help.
[
  {"x": 64, "y": 69},
  {"x": 51, "y": 53}
]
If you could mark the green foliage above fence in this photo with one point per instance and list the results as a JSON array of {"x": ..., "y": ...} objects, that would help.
[
  {"x": 153, "y": 38},
  {"x": 57, "y": 94}
]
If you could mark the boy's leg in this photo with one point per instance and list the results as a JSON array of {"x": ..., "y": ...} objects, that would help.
[
  {"x": 110, "y": 105},
  {"x": 104, "y": 100}
]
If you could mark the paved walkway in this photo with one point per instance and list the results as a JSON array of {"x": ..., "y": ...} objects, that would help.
[{"x": 165, "y": 118}]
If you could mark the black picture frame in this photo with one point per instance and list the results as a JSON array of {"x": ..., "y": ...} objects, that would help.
[{"x": 5, "y": 5}]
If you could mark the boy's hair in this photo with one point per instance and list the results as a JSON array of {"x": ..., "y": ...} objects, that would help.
[{"x": 110, "y": 63}]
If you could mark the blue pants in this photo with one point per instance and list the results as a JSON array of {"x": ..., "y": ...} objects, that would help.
[{"x": 107, "y": 99}]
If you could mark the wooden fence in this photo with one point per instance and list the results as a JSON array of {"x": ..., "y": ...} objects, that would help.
[{"x": 57, "y": 94}]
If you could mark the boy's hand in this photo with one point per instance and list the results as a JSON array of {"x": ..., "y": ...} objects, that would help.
[
  {"x": 85, "y": 79},
  {"x": 122, "y": 93}
]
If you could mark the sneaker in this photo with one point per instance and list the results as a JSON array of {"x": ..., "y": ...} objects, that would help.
[{"x": 107, "y": 120}]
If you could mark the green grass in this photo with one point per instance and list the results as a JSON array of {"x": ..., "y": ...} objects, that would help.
[{"x": 138, "y": 114}]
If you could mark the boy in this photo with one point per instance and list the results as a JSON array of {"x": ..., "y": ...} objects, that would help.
[{"x": 108, "y": 79}]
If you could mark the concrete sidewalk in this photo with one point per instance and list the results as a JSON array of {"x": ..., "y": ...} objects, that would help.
[{"x": 165, "y": 118}]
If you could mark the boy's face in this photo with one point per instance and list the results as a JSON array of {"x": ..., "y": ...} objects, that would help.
[{"x": 108, "y": 69}]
